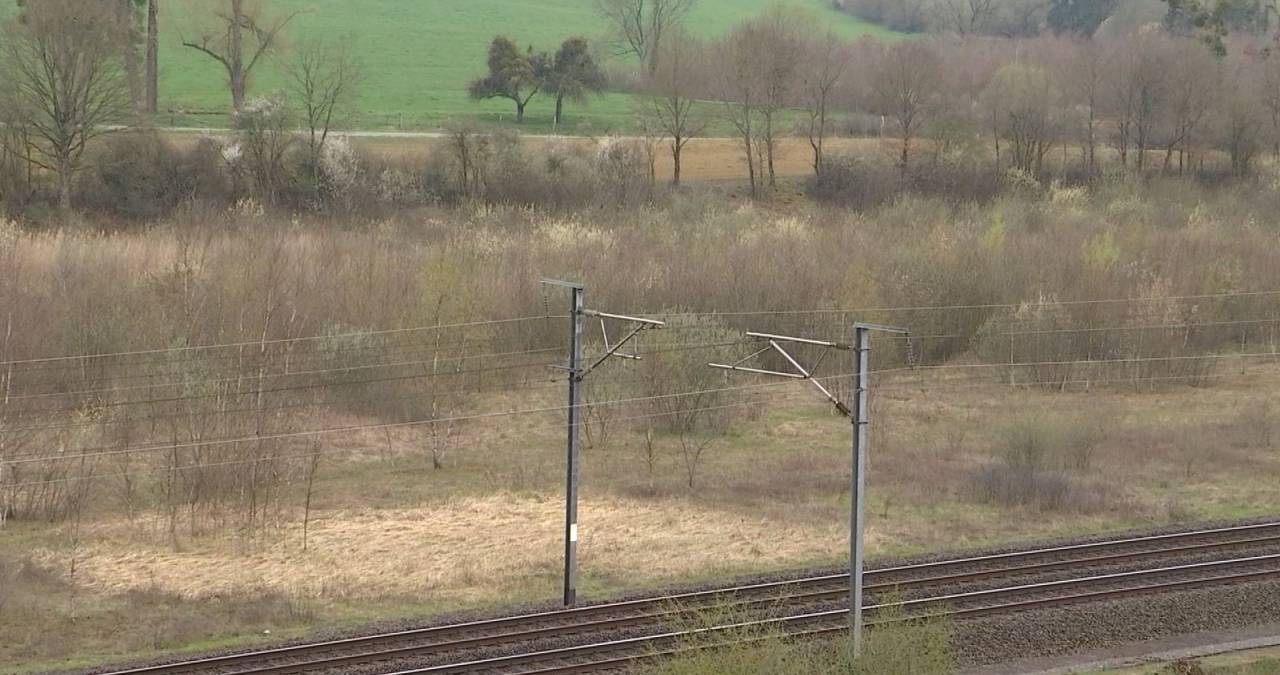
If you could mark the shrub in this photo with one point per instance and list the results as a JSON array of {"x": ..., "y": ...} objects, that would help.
[
  {"x": 854, "y": 182},
  {"x": 265, "y": 136},
  {"x": 1033, "y": 460},
  {"x": 1258, "y": 420},
  {"x": 919, "y": 647},
  {"x": 138, "y": 175}
]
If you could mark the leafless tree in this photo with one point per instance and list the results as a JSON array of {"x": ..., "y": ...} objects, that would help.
[
  {"x": 325, "y": 76},
  {"x": 739, "y": 91},
  {"x": 470, "y": 147},
  {"x": 313, "y": 467},
  {"x": 10, "y": 441},
  {"x": 1022, "y": 102},
  {"x": 265, "y": 139},
  {"x": 687, "y": 399},
  {"x": 237, "y": 34},
  {"x": 1240, "y": 118},
  {"x": 153, "y": 57},
  {"x": 1137, "y": 92},
  {"x": 1019, "y": 18},
  {"x": 64, "y": 69},
  {"x": 964, "y": 17},
  {"x": 1082, "y": 75},
  {"x": 827, "y": 57},
  {"x": 670, "y": 106},
  {"x": 640, "y": 26},
  {"x": 1191, "y": 97},
  {"x": 773, "y": 44},
  {"x": 904, "y": 86},
  {"x": 1270, "y": 93}
]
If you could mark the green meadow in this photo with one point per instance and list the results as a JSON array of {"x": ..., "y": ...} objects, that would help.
[{"x": 419, "y": 55}]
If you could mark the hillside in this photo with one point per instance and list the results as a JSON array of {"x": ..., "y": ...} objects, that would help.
[{"x": 420, "y": 54}]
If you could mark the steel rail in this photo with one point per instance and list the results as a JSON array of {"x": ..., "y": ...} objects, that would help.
[
  {"x": 650, "y": 610},
  {"x": 613, "y": 660}
]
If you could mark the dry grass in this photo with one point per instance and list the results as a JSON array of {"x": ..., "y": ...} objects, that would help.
[
  {"x": 467, "y": 551},
  {"x": 390, "y": 534}
]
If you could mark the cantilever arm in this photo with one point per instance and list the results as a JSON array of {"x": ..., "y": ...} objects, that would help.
[{"x": 614, "y": 350}]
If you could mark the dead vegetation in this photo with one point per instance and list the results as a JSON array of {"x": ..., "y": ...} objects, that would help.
[{"x": 179, "y": 471}]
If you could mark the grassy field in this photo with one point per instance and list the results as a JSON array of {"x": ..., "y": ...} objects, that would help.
[
  {"x": 420, "y": 54},
  {"x": 390, "y": 537}
]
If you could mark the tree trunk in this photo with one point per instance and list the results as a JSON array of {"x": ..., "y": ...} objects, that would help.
[
  {"x": 906, "y": 152},
  {"x": 520, "y": 112},
  {"x": 559, "y": 109},
  {"x": 132, "y": 66},
  {"x": 676, "y": 148},
  {"x": 153, "y": 57},
  {"x": 818, "y": 137},
  {"x": 768, "y": 150},
  {"x": 236, "y": 65},
  {"x": 1092, "y": 148},
  {"x": 64, "y": 191}
]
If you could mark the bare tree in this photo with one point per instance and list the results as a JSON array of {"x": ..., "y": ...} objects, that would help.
[
  {"x": 313, "y": 467},
  {"x": 772, "y": 42},
  {"x": 1270, "y": 92},
  {"x": 129, "y": 18},
  {"x": 827, "y": 57},
  {"x": 739, "y": 91},
  {"x": 325, "y": 75},
  {"x": 903, "y": 88},
  {"x": 964, "y": 17},
  {"x": 1191, "y": 97},
  {"x": 1240, "y": 119},
  {"x": 1137, "y": 93},
  {"x": 237, "y": 34},
  {"x": 64, "y": 68},
  {"x": 470, "y": 147},
  {"x": 1019, "y": 18},
  {"x": 639, "y": 26},
  {"x": 1082, "y": 78},
  {"x": 265, "y": 139},
  {"x": 153, "y": 57},
  {"x": 669, "y": 106},
  {"x": 687, "y": 399},
  {"x": 1021, "y": 98}
]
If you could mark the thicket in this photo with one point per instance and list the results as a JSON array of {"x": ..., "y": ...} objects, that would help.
[
  {"x": 1033, "y": 277},
  {"x": 141, "y": 176}
]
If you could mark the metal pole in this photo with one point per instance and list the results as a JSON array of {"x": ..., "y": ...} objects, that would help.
[
  {"x": 574, "y": 451},
  {"x": 861, "y": 420}
]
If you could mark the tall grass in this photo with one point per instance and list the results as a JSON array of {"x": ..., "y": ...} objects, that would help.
[{"x": 976, "y": 283}]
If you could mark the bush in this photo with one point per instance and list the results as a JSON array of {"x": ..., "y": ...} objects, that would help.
[
  {"x": 138, "y": 175},
  {"x": 857, "y": 181},
  {"x": 1033, "y": 460}
]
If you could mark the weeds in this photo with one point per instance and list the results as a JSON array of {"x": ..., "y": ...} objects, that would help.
[{"x": 896, "y": 645}]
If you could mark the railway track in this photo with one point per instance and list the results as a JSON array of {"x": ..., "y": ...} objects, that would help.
[{"x": 614, "y": 634}]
